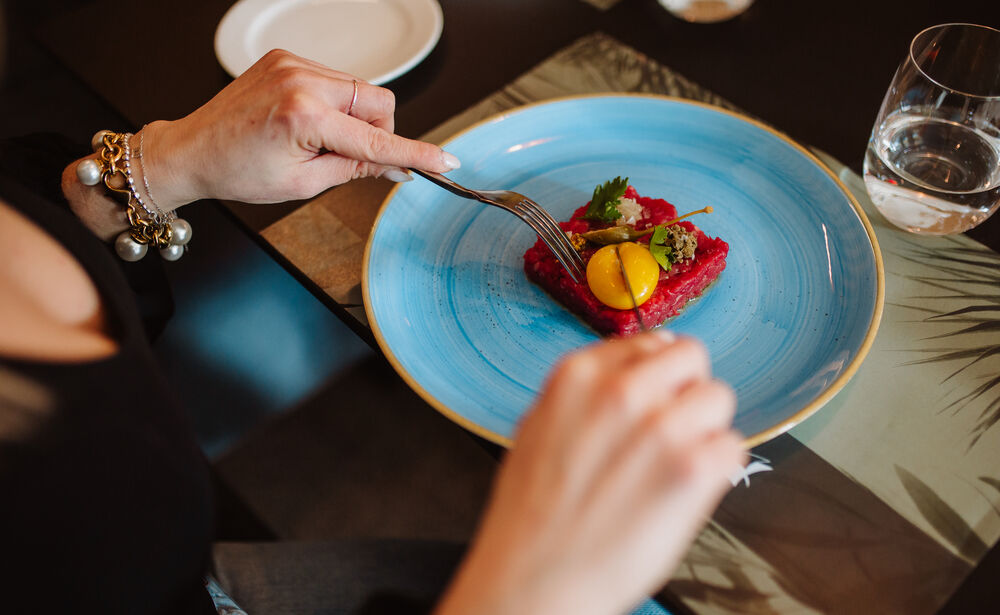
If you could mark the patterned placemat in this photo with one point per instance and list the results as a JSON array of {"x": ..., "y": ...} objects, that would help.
[{"x": 881, "y": 502}]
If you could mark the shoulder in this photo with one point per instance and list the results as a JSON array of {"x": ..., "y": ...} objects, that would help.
[{"x": 50, "y": 308}]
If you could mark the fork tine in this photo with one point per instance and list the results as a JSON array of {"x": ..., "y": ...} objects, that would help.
[
  {"x": 570, "y": 258},
  {"x": 551, "y": 223},
  {"x": 556, "y": 247},
  {"x": 554, "y": 239},
  {"x": 555, "y": 234}
]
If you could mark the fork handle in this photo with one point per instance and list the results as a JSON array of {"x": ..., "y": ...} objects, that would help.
[{"x": 447, "y": 184}]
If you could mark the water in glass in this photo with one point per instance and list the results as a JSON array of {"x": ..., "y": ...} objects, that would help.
[
  {"x": 933, "y": 160},
  {"x": 931, "y": 175}
]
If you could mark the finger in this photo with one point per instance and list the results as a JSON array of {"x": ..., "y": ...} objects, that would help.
[
  {"x": 327, "y": 170},
  {"x": 618, "y": 352},
  {"x": 645, "y": 376},
  {"x": 622, "y": 379},
  {"x": 666, "y": 367},
  {"x": 361, "y": 141},
  {"x": 677, "y": 426},
  {"x": 708, "y": 463},
  {"x": 372, "y": 104},
  {"x": 697, "y": 411}
]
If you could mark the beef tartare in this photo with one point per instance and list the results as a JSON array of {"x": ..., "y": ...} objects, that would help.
[{"x": 617, "y": 215}]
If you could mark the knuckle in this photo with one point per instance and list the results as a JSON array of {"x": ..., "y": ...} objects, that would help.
[
  {"x": 385, "y": 100},
  {"x": 276, "y": 59},
  {"x": 616, "y": 398},
  {"x": 665, "y": 429},
  {"x": 377, "y": 144},
  {"x": 293, "y": 78},
  {"x": 363, "y": 169},
  {"x": 684, "y": 466},
  {"x": 295, "y": 109},
  {"x": 635, "y": 380}
]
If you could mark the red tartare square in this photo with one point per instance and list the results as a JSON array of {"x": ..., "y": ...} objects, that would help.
[{"x": 685, "y": 280}]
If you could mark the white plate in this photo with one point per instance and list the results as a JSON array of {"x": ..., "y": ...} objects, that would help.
[{"x": 376, "y": 40}]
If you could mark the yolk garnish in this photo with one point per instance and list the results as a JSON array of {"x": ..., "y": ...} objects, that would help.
[{"x": 604, "y": 275}]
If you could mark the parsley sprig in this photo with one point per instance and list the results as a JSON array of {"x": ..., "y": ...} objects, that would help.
[
  {"x": 663, "y": 253},
  {"x": 604, "y": 204}
]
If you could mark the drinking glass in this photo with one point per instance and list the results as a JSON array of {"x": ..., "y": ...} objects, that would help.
[{"x": 933, "y": 161}]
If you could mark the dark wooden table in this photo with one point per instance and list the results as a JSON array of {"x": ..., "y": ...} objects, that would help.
[{"x": 815, "y": 70}]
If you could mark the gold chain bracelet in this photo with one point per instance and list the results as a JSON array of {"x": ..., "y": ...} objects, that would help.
[{"x": 112, "y": 167}]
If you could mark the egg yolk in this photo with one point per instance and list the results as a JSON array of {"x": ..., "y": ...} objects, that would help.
[{"x": 604, "y": 275}]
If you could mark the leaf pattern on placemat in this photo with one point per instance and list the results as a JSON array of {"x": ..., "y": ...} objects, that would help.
[
  {"x": 948, "y": 523},
  {"x": 721, "y": 575},
  {"x": 958, "y": 272},
  {"x": 992, "y": 482}
]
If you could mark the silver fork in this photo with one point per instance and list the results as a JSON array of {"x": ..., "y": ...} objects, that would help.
[{"x": 528, "y": 211}]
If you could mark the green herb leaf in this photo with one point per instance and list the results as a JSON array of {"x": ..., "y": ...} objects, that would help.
[
  {"x": 663, "y": 253},
  {"x": 604, "y": 204}
]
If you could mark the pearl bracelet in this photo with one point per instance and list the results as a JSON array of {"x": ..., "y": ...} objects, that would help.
[{"x": 113, "y": 167}]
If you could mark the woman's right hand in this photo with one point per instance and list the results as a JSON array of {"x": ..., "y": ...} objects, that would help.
[
  {"x": 626, "y": 453},
  {"x": 281, "y": 131}
]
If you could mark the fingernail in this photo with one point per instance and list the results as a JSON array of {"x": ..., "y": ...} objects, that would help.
[
  {"x": 666, "y": 335},
  {"x": 395, "y": 175},
  {"x": 450, "y": 160}
]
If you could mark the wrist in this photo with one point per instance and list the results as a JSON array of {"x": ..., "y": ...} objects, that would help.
[
  {"x": 167, "y": 169},
  {"x": 118, "y": 165},
  {"x": 490, "y": 582}
]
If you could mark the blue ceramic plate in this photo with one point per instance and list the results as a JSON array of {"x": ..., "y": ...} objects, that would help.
[{"x": 787, "y": 323}]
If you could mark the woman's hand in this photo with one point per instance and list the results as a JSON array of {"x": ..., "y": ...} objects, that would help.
[
  {"x": 614, "y": 471},
  {"x": 281, "y": 132}
]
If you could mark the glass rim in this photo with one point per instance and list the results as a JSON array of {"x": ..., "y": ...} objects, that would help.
[{"x": 920, "y": 69}]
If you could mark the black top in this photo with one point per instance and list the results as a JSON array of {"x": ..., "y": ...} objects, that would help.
[{"x": 106, "y": 500}]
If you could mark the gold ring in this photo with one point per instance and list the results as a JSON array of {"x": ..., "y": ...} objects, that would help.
[{"x": 354, "y": 98}]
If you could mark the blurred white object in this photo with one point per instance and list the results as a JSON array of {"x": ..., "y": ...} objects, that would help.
[
  {"x": 374, "y": 40},
  {"x": 757, "y": 464},
  {"x": 706, "y": 11}
]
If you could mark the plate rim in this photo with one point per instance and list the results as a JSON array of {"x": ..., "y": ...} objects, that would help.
[
  {"x": 226, "y": 25},
  {"x": 749, "y": 441}
]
